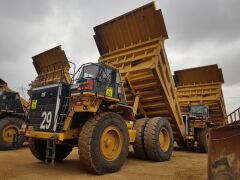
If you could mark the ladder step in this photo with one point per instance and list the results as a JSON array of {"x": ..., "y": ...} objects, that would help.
[
  {"x": 50, "y": 157},
  {"x": 50, "y": 150}
]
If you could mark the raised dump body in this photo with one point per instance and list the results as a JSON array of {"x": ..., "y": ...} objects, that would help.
[
  {"x": 134, "y": 43},
  {"x": 202, "y": 85},
  {"x": 52, "y": 67}
]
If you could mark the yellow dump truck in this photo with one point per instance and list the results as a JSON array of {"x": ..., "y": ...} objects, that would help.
[
  {"x": 201, "y": 100},
  {"x": 127, "y": 98},
  {"x": 12, "y": 117}
]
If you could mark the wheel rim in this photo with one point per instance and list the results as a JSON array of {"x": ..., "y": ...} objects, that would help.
[
  {"x": 111, "y": 143},
  {"x": 9, "y": 132},
  {"x": 164, "y": 139}
]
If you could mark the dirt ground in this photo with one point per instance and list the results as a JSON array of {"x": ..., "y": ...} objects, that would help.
[{"x": 20, "y": 164}]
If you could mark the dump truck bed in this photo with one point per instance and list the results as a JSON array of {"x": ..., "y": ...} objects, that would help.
[
  {"x": 202, "y": 85},
  {"x": 134, "y": 43},
  {"x": 52, "y": 67}
]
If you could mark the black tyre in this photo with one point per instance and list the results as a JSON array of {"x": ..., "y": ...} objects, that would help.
[
  {"x": 10, "y": 127},
  {"x": 202, "y": 140},
  {"x": 103, "y": 143},
  {"x": 138, "y": 144},
  {"x": 181, "y": 143},
  {"x": 158, "y": 139},
  {"x": 38, "y": 149}
]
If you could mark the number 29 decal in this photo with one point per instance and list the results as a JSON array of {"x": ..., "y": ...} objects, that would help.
[{"x": 47, "y": 120}]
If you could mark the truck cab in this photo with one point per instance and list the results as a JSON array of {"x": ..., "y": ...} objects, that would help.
[
  {"x": 99, "y": 78},
  {"x": 199, "y": 111},
  {"x": 197, "y": 122}
]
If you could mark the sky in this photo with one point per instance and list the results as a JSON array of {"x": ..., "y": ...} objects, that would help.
[{"x": 200, "y": 33}]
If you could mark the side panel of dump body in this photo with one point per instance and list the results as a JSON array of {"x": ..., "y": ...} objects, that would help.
[
  {"x": 202, "y": 85},
  {"x": 52, "y": 67},
  {"x": 134, "y": 43},
  {"x": 224, "y": 154}
]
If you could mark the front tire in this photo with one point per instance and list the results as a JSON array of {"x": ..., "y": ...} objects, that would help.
[
  {"x": 158, "y": 139},
  {"x": 38, "y": 149},
  {"x": 10, "y": 127},
  {"x": 103, "y": 143},
  {"x": 202, "y": 140}
]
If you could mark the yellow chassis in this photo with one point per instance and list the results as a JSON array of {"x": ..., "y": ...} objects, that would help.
[
  {"x": 70, "y": 134},
  {"x": 92, "y": 101}
]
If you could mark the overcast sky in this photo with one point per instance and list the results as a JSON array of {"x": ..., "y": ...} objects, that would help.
[{"x": 200, "y": 33}]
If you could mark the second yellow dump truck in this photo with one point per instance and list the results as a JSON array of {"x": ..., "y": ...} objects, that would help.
[
  {"x": 201, "y": 100},
  {"x": 13, "y": 110}
]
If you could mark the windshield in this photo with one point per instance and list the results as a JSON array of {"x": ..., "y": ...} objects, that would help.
[
  {"x": 202, "y": 110},
  {"x": 89, "y": 71}
]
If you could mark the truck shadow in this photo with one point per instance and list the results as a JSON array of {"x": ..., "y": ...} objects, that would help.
[
  {"x": 66, "y": 167},
  {"x": 187, "y": 149}
]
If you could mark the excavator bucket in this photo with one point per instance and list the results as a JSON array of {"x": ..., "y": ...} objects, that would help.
[
  {"x": 52, "y": 66},
  {"x": 224, "y": 154},
  {"x": 202, "y": 85},
  {"x": 224, "y": 146}
]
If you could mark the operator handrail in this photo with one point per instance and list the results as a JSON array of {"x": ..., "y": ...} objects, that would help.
[{"x": 233, "y": 116}]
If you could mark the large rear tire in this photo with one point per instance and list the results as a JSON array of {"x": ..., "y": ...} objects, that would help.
[
  {"x": 202, "y": 140},
  {"x": 138, "y": 144},
  {"x": 158, "y": 139},
  {"x": 103, "y": 143},
  {"x": 10, "y": 127},
  {"x": 38, "y": 149}
]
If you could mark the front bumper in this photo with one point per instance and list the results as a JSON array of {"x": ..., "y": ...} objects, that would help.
[{"x": 61, "y": 136}]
